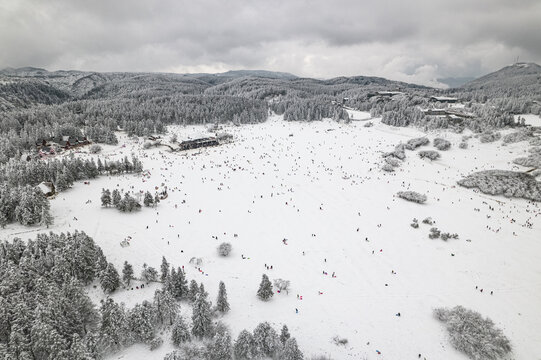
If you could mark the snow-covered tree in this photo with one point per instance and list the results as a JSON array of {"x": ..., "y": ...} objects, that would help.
[
  {"x": 265, "y": 288},
  {"x": 166, "y": 308},
  {"x": 109, "y": 279},
  {"x": 127, "y": 273},
  {"x": 244, "y": 348},
  {"x": 221, "y": 303},
  {"x": 116, "y": 197},
  {"x": 284, "y": 334},
  {"x": 221, "y": 347},
  {"x": 201, "y": 317},
  {"x": 291, "y": 351},
  {"x": 180, "y": 333},
  {"x": 106, "y": 197},
  {"x": 148, "y": 273},
  {"x": 193, "y": 290},
  {"x": 164, "y": 268},
  {"x": 148, "y": 200},
  {"x": 266, "y": 340}
]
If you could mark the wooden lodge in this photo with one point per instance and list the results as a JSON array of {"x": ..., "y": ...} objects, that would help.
[{"x": 198, "y": 143}]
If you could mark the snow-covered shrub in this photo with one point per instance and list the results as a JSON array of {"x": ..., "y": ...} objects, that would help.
[
  {"x": 463, "y": 145},
  {"x": 415, "y": 224},
  {"x": 434, "y": 233},
  {"x": 442, "y": 144},
  {"x": 224, "y": 249},
  {"x": 474, "y": 335},
  {"x": 387, "y": 167},
  {"x": 428, "y": 221},
  {"x": 369, "y": 124},
  {"x": 503, "y": 182},
  {"x": 413, "y": 144},
  {"x": 489, "y": 136},
  {"x": 95, "y": 149},
  {"x": 398, "y": 152},
  {"x": 412, "y": 196},
  {"x": 282, "y": 285},
  {"x": 447, "y": 236},
  {"x": 156, "y": 343},
  {"x": 430, "y": 154},
  {"x": 521, "y": 135},
  {"x": 337, "y": 340},
  {"x": 393, "y": 161},
  {"x": 533, "y": 160}
]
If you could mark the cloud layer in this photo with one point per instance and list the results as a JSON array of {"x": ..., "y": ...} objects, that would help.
[{"x": 415, "y": 40}]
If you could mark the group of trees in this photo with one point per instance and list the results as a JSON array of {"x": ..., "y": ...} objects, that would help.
[
  {"x": 63, "y": 173},
  {"x": 126, "y": 203},
  {"x": 45, "y": 312},
  {"x": 503, "y": 182},
  {"x": 24, "y": 204}
]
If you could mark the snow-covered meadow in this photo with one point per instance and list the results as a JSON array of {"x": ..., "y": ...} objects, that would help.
[{"x": 319, "y": 185}]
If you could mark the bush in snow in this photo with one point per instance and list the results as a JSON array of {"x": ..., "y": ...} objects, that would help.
[
  {"x": 434, "y": 233},
  {"x": 428, "y": 221},
  {"x": 414, "y": 224},
  {"x": 413, "y": 144},
  {"x": 507, "y": 183},
  {"x": 521, "y": 135},
  {"x": 474, "y": 335},
  {"x": 489, "y": 136},
  {"x": 387, "y": 167},
  {"x": 398, "y": 152},
  {"x": 282, "y": 285},
  {"x": 441, "y": 144},
  {"x": 430, "y": 154},
  {"x": 463, "y": 145},
  {"x": 533, "y": 160},
  {"x": 95, "y": 149},
  {"x": 393, "y": 161},
  {"x": 337, "y": 340},
  {"x": 412, "y": 196},
  {"x": 446, "y": 236},
  {"x": 368, "y": 124},
  {"x": 224, "y": 249}
]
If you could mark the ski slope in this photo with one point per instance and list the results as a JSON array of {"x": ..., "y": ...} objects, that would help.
[{"x": 319, "y": 186}]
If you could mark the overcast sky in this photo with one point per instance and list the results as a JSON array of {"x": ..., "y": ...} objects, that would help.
[{"x": 414, "y": 40}]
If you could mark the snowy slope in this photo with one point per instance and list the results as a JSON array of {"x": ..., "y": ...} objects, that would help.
[{"x": 316, "y": 184}]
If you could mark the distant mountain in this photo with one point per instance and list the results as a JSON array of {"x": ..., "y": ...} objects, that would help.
[
  {"x": 519, "y": 77},
  {"x": 454, "y": 82},
  {"x": 258, "y": 73}
]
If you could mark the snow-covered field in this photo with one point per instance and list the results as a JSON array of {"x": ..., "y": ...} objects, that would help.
[{"x": 319, "y": 186}]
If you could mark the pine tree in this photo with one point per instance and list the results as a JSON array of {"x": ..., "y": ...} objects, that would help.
[
  {"x": 141, "y": 322},
  {"x": 165, "y": 266},
  {"x": 244, "y": 346},
  {"x": 166, "y": 307},
  {"x": 46, "y": 217},
  {"x": 113, "y": 326},
  {"x": 105, "y": 197},
  {"x": 116, "y": 198},
  {"x": 148, "y": 200},
  {"x": 110, "y": 281},
  {"x": 180, "y": 333},
  {"x": 267, "y": 342},
  {"x": 291, "y": 351},
  {"x": 77, "y": 350},
  {"x": 221, "y": 303},
  {"x": 201, "y": 317},
  {"x": 127, "y": 273},
  {"x": 193, "y": 291},
  {"x": 265, "y": 288},
  {"x": 156, "y": 200},
  {"x": 284, "y": 334},
  {"x": 220, "y": 348}
]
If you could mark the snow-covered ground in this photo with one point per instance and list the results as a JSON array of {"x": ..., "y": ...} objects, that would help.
[
  {"x": 319, "y": 186},
  {"x": 531, "y": 119}
]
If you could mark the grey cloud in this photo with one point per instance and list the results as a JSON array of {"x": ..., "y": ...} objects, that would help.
[{"x": 407, "y": 40}]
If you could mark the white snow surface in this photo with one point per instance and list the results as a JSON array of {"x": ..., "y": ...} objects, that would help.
[{"x": 315, "y": 188}]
